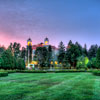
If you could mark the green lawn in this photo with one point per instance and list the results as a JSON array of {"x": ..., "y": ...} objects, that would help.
[{"x": 50, "y": 86}]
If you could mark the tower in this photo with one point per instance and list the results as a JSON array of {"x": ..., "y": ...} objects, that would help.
[
  {"x": 46, "y": 41},
  {"x": 29, "y": 50},
  {"x": 29, "y": 42}
]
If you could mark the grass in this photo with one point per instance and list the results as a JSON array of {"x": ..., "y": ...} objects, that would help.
[{"x": 50, "y": 86}]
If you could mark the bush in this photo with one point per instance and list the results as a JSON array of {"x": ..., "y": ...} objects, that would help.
[
  {"x": 30, "y": 71},
  {"x": 96, "y": 72},
  {"x": 20, "y": 64},
  {"x": 11, "y": 71},
  {"x": 92, "y": 63},
  {"x": 82, "y": 62},
  {"x": 7, "y": 61},
  {"x": 72, "y": 70},
  {"x": 2, "y": 74},
  {"x": 98, "y": 58}
]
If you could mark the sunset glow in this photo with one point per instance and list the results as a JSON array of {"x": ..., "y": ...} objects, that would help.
[{"x": 59, "y": 20}]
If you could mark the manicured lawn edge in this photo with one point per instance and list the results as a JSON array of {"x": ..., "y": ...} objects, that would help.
[
  {"x": 42, "y": 71},
  {"x": 30, "y": 71}
]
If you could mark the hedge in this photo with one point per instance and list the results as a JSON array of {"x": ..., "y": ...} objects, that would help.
[
  {"x": 41, "y": 71},
  {"x": 2, "y": 74},
  {"x": 30, "y": 71},
  {"x": 11, "y": 71},
  {"x": 96, "y": 72}
]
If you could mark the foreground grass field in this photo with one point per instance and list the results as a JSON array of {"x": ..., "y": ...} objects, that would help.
[{"x": 50, "y": 86}]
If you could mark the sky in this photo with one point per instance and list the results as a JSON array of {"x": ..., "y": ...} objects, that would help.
[{"x": 59, "y": 20}]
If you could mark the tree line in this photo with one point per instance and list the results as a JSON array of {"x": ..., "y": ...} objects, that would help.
[
  {"x": 72, "y": 56},
  {"x": 77, "y": 56},
  {"x": 12, "y": 57}
]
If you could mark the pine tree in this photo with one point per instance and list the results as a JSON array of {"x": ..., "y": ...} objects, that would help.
[
  {"x": 8, "y": 60},
  {"x": 61, "y": 48},
  {"x": 70, "y": 43},
  {"x": 98, "y": 58},
  {"x": 85, "y": 52},
  {"x": 23, "y": 53},
  {"x": 72, "y": 54},
  {"x": 92, "y": 51},
  {"x": 79, "y": 47},
  {"x": 61, "y": 55}
]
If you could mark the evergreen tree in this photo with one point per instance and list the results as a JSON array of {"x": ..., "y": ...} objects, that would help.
[
  {"x": 79, "y": 47},
  {"x": 61, "y": 48},
  {"x": 23, "y": 53},
  {"x": 92, "y": 51},
  {"x": 8, "y": 60},
  {"x": 70, "y": 43},
  {"x": 1, "y": 63},
  {"x": 85, "y": 51},
  {"x": 92, "y": 63},
  {"x": 20, "y": 64},
  {"x": 98, "y": 58},
  {"x": 72, "y": 54},
  {"x": 2, "y": 49},
  {"x": 49, "y": 59},
  {"x": 41, "y": 55},
  {"x": 15, "y": 48},
  {"x": 61, "y": 55}
]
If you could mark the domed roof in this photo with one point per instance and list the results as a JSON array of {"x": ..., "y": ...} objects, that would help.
[
  {"x": 29, "y": 40},
  {"x": 46, "y": 39}
]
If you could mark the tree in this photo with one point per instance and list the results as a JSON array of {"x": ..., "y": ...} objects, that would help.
[
  {"x": 70, "y": 43},
  {"x": 8, "y": 60},
  {"x": 72, "y": 54},
  {"x": 1, "y": 63},
  {"x": 92, "y": 63},
  {"x": 2, "y": 49},
  {"x": 79, "y": 47},
  {"x": 92, "y": 51},
  {"x": 20, "y": 64},
  {"x": 49, "y": 59},
  {"x": 61, "y": 55},
  {"x": 23, "y": 53},
  {"x": 85, "y": 51},
  {"x": 98, "y": 58},
  {"x": 41, "y": 55},
  {"x": 15, "y": 48}
]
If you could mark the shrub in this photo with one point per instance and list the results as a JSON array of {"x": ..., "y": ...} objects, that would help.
[
  {"x": 82, "y": 62},
  {"x": 30, "y": 71},
  {"x": 72, "y": 70},
  {"x": 96, "y": 72},
  {"x": 20, "y": 64},
  {"x": 2, "y": 74},
  {"x": 92, "y": 63},
  {"x": 11, "y": 71},
  {"x": 98, "y": 58}
]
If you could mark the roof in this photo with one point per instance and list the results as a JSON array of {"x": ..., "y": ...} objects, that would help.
[
  {"x": 38, "y": 45},
  {"x": 42, "y": 45},
  {"x": 46, "y": 39},
  {"x": 29, "y": 39}
]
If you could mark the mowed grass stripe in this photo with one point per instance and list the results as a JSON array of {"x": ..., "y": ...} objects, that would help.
[
  {"x": 96, "y": 90},
  {"x": 50, "y": 86},
  {"x": 14, "y": 89},
  {"x": 56, "y": 92}
]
